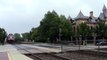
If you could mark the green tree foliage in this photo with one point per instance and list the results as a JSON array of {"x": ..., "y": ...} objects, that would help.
[
  {"x": 34, "y": 34},
  {"x": 26, "y": 35},
  {"x": 101, "y": 29},
  {"x": 3, "y": 35},
  {"x": 49, "y": 28},
  {"x": 66, "y": 26},
  {"x": 83, "y": 30},
  {"x": 17, "y": 37},
  {"x": 51, "y": 24}
]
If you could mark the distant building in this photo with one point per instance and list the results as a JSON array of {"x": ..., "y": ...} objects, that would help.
[
  {"x": 91, "y": 20},
  {"x": 103, "y": 15}
]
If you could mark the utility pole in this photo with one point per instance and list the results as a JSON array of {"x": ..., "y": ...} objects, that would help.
[
  {"x": 60, "y": 39},
  {"x": 80, "y": 41}
]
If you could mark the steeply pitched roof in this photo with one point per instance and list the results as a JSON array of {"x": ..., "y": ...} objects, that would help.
[
  {"x": 105, "y": 11},
  {"x": 69, "y": 17},
  {"x": 81, "y": 16},
  {"x": 106, "y": 14},
  {"x": 101, "y": 16},
  {"x": 104, "y": 7}
]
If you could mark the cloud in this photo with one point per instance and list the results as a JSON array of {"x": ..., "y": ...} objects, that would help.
[{"x": 21, "y": 15}]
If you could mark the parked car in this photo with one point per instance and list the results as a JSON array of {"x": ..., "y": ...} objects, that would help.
[{"x": 101, "y": 43}]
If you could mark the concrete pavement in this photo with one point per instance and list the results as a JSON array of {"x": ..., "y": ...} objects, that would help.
[
  {"x": 37, "y": 49},
  {"x": 68, "y": 47},
  {"x": 13, "y": 53}
]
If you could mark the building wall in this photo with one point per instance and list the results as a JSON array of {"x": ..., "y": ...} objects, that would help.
[
  {"x": 80, "y": 21},
  {"x": 77, "y": 22},
  {"x": 91, "y": 25}
]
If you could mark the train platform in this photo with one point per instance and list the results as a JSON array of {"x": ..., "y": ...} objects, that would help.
[
  {"x": 8, "y": 52},
  {"x": 3, "y": 56},
  {"x": 39, "y": 49}
]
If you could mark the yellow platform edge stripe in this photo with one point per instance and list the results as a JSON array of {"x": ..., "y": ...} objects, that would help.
[{"x": 9, "y": 56}]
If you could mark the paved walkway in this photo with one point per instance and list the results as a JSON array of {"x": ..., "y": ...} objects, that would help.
[
  {"x": 3, "y": 56},
  {"x": 9, "y": 52}
]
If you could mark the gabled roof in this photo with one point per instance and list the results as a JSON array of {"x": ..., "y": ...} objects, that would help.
[
  {"x": 69, "y": 18},
  {"x": 80, "y": 16}
]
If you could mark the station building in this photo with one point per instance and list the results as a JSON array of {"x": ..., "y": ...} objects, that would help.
[{"x": 91, "y": 20}]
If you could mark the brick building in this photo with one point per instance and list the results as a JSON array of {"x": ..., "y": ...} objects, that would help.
[{"x": 91, "y": 20}]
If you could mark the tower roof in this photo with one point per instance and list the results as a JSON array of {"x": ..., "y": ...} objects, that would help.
[
  {"x": 81, "y": 16},
  {"x": 69, "y": 17},
  {"x": 104, "y": 7},
  {"x": 101, "y": 16}
]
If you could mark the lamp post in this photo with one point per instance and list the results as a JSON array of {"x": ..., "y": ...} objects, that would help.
[
  {"x": 94, "y": 36},
  {"x": 60, "y": 39},
  {"x": 79, "y": 41},
  {"x": 103, "y": 35}
]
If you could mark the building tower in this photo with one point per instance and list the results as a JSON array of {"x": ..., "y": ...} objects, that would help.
[{"x": 105, "y": 12}]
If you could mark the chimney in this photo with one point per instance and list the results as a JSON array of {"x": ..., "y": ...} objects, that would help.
[{"x": 91, "y": 13}]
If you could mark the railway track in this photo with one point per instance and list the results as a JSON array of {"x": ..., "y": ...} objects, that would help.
[
  {"x": 84, "y": 55},
  {"x": 42, "y": 56}
]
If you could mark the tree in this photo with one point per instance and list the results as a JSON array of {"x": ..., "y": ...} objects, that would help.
[
  {"x": 101, "y": 29},
  {"x": 94, "y": 34},
  {"x": 50, "y": 25},
  {"x": 3, "y": 35},
  {"x": 48, "y": 31},
  {"x": 83, "y": 30},
  {"x": 66, "y": 27},
  {"x": 25, "y": 35},
  {"x": 17, "y": 37},
  {"x": 34, "y": 34}
]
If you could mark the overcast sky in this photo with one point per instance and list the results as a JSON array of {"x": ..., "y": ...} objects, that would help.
[{"x": 18, "y": 16}]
